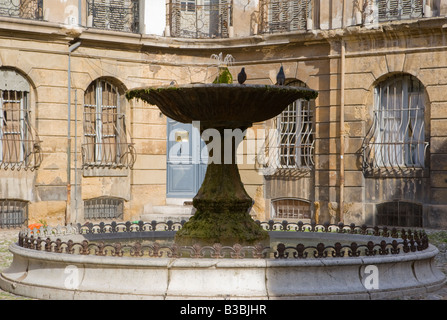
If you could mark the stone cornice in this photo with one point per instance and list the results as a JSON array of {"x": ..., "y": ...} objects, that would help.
[{"x": 49, "y": 31}]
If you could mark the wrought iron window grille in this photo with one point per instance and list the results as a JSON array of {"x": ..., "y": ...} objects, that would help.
[
  {"x": 13, "y": 213},
  {"x": 19, "y": 142},
  {"x": 291, "y": 209},
  {"x": 395, "y": 142},
  {"x": 284, "y": 15},
  {"x": 103, "y": 208},
  {"x": 24, "y": 9},
  {"x": 399, "y": 213},
  {"x": 200, "y": 18},
  {"x": 116, "y": 15},
  {"x": 291, "y": 145},
  {"x": 105, "y": 136}
]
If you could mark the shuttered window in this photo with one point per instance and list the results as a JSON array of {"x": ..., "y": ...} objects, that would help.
[
  {"x": 118, "y": 15},
  {"x": 284, "y": 15},
  {"x": 399, "y": 9}
]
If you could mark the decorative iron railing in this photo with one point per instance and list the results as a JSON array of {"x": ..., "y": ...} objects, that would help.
[
  {"x": 25, "y": 9},
  {"x": 284, "y": 15},
  {"x": 186, "y": 19},
  {"x": 403, "y": 241},
  {"x": 117, "y": 15}
]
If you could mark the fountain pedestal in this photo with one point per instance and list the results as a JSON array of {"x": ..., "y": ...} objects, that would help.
[{"x": 222, "y": 204}]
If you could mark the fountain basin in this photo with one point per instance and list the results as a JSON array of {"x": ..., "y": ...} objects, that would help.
[{"x": 51, "y": 275}]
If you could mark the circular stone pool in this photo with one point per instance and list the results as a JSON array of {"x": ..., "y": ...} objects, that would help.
[{"x": 140, "y": 261}]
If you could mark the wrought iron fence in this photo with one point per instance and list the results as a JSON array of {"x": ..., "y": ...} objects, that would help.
[
  {"x": 403, "y": 241},
  {"x": 187, "y": 19},
  {"x": 117, "y": 15},
  {"x": 284, "y": 15},
  {"x": 25, "y": 9}
]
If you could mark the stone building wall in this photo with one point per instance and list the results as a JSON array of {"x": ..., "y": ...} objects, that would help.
[{"x": 338, "y": 56}]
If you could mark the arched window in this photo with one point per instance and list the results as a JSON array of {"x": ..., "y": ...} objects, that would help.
[
  {"x": 105, "y": 137},
  {"x": 19, "y": 145},
  {"x": 290, "y": 208},
  {"x": 396, "y": 139}
]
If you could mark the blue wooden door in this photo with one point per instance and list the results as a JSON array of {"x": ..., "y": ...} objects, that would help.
[{"x": 186, "y": 160}]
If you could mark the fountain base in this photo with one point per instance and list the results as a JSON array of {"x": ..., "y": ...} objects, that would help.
[{"x": 222, "y": 214}]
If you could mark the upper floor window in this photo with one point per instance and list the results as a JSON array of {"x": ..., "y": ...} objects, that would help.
[
  {"x": 399, "y": 9},
  {"x": 200, "y": 18},
  {"x": 284, "y": 15},
  {"x": 25, "y": 9},
  {"x": 19, "y": 147},
  {"x": 105, "y": 138},
  {"x": 117, "y": 15},
  {"x": 397, "y": 139}
]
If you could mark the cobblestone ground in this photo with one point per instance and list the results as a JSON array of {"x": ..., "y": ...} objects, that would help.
[{"x": 437, "y": 237}]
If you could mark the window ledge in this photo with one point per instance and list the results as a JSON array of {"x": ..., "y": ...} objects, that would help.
[{"x": 105, "y": 172}]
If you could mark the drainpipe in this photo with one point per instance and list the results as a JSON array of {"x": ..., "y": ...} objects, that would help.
[
  {"x": 342, "y": 129},
  {"x": 71, "y": 48}
]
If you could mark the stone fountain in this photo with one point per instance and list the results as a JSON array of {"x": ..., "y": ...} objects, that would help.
[
  {"x": 222, "y": 203},
  {"x": 220, "y": 253}
]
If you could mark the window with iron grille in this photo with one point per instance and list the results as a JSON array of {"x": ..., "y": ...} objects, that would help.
[
  {"x": 284, "y": 15},
  {"x": 25, "y": 9},
  {"x": 396, "y": 139},
  {"x": 18, "y": 146},
  {"x": 13, "y": 213},
  {"x": 399, "y": 9},
  {"x": 399, "y": 213},
  {"x": 105, "y": 140},
  {"x": 291, "y": 209},
  {"x": 103, "y": 208},
  {"x": 117, "y": 15},
  {"x": 200, "y": 18}
]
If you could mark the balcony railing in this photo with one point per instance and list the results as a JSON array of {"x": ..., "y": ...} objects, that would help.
[
  {"x": 117, "y": 15},
  {"x": 186, "y": 19},
  {"x": 25, "y": 9},
  {"x": 284, "y": 15}
]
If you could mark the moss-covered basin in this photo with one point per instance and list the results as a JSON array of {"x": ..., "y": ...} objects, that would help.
[{"x": 221, "y": 105}]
